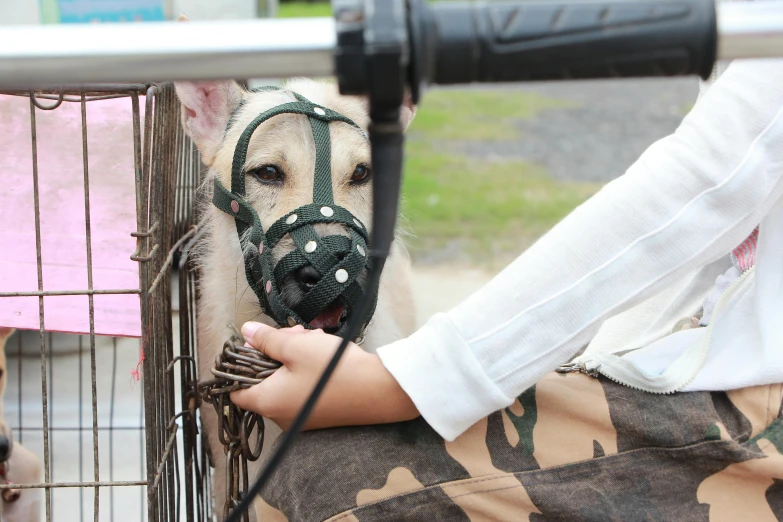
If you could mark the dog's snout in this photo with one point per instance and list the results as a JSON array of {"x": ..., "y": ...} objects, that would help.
[
  {"x": 307, "y": 277},
  {"x": 5, "y": 448}
]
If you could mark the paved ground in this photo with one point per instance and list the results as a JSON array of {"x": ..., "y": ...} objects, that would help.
[{"x": 609, "y": 126}]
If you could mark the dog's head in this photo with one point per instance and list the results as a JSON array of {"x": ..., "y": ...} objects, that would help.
[{"x": 280, "y": 165}]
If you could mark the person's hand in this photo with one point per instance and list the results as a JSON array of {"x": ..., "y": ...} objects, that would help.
[{"x": 361, "y": 390}]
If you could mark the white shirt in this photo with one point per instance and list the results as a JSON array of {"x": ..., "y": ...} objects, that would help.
[{"x": 644, "y": 253}]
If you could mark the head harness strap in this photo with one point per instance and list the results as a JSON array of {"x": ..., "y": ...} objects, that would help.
[{"x": 338, "y": 259}]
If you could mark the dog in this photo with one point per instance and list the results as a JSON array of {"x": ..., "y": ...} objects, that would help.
[
  {"x": 19, "y": 465},
  {"x": 214, "y": 114}
]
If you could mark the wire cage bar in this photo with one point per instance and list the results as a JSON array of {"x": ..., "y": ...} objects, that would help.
[{"x": 90, "y": 413}]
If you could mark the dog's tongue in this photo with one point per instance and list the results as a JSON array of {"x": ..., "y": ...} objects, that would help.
[{"x": 329, "y": 318}]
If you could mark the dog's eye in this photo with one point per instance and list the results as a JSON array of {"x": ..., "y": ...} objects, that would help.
[
  {"x": 361, "y": 174},
  {"x": 267, "y": 174}
]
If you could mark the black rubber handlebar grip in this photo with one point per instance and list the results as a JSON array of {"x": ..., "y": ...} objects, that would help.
[{"x": 535, "y": 40}]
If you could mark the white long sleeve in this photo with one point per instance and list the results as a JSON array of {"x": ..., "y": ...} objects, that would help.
[{"x": 689, "y": 199}]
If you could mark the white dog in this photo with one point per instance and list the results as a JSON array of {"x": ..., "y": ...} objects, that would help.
[{"x": 279, "y": 177}]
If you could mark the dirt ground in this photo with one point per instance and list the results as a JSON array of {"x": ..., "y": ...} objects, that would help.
[{"x": 439, "y": 288}]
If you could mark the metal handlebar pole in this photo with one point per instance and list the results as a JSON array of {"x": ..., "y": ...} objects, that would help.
[
  {"x": 52, "y": 55},
  {"x": 48, "y": 56}
]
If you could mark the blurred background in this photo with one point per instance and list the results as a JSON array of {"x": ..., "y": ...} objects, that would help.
[{"x": 489, "y": 169}]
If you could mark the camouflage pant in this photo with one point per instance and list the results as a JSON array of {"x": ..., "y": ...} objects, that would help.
[{"x": 570, "y": 448}]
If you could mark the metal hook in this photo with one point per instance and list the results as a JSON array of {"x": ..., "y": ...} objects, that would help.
[{"x": 57, "y": 103}]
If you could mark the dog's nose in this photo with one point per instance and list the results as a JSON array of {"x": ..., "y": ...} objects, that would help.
[
  {"x": 5, "y": 448},
  {"x": 307, "y": 277}
]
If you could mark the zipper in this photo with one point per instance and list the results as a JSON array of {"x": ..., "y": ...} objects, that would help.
[
  {"x": 719, "y": 306},
  {"x": 592, "y": 368},
  {"x": 626, "y": 373}
]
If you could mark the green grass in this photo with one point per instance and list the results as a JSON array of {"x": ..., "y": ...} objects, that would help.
[
  {"x": 478, "y": 115},
  {"x": 304, "y": 9},
  {"x": 481, "y": 213},
  {"x": 477, "y": 210}
]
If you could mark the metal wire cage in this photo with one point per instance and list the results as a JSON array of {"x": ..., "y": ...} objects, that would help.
[{"x": 109, "y": 449}]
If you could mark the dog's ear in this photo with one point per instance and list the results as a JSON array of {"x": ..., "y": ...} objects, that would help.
[
  {"x": 206, "y": 110},
  {"x": 408, "y": 110}
]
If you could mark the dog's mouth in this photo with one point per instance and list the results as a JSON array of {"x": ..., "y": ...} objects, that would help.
[
  {"x": 332, "y": 318},
  {"x": 298, "y": 284}
]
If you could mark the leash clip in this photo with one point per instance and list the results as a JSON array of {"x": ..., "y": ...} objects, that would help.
[{"x": 589, "y": 368}]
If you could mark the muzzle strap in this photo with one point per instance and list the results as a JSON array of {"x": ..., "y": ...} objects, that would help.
[{"x": 320, "y": 135}]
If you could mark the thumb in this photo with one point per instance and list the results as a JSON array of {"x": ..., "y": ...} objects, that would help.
[
  {"x": 262, "y": 398},
  {"x": 266, "y": 339},
  {"x": 247, "y": 399}
]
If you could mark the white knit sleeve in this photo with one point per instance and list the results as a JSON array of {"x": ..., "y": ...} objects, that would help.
[{"x": 689, "y": 199}]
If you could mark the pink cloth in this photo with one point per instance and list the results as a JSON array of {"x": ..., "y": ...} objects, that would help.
[
  {"x": 62, "y": 216},
  {"x": 744, "y": 256}
]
